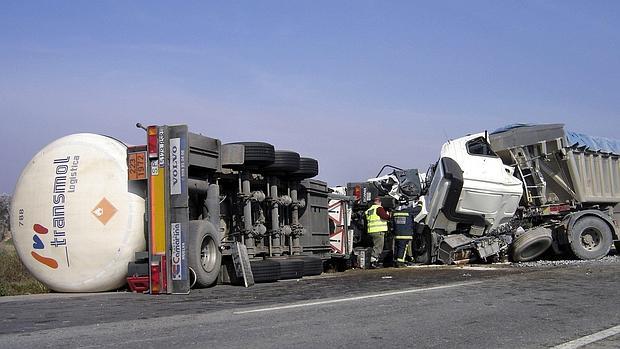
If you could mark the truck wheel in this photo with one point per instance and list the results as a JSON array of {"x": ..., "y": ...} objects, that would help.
[
  {"x": 421, "y": 248},
  {"x": 204, "y": 255},
  {"x": 308, "y": 168},
  {"x": 257, "y": 154},
  {"x": 265, "y": 270},
  {"x": 313, "y": 265},
  {"x": 590, "y": 238},
  {"x": 289, "y": 268},
  {"x": 531, "y": 244},
  {"x": 286, "y": 162}
]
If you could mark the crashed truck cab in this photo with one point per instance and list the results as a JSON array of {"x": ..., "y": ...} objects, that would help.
[{"x": 472, "y": 195}]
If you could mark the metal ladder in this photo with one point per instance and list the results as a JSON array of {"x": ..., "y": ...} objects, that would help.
[
  {"x": 241, "y": 262},
  {"x": 535, "y": 185}
]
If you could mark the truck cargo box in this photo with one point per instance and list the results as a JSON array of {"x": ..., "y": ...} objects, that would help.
[{"x": 560, "y": 166}]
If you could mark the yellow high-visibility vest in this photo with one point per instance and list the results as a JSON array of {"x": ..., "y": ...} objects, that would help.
[{"x": 376, "y": 224}]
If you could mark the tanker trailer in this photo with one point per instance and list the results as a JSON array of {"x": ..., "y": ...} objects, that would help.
[
  {"x": 76, "y": 219},
  {"x": 183, "y": 210}
]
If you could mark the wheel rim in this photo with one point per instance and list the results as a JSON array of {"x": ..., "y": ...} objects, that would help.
[
  {"x": 208, "y": 254},
  {"x": 591, "y": 238},
  {"x": 192, "y": 277}
]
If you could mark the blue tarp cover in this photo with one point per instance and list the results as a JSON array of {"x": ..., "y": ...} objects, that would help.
[
  {"x": 601, "y": 144},
  {"x": 579, "y": 140}
]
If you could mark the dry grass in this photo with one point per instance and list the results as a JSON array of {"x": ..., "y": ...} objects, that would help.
[{"x": 14, "y": 278}]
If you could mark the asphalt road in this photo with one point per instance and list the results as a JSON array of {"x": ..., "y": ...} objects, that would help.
[{"x": 499, "y": 306}]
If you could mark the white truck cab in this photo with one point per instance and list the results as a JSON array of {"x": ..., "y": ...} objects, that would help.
[
  {"x": 485, "y": 192},
  {"x": 471, "y": 194}
]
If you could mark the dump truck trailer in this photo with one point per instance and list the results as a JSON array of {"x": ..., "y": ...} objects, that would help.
[
  {"x": 571, "y": 184},
  {"x": 517, "y": 192}
]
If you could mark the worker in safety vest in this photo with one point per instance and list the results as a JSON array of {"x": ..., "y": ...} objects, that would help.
[
  {"x": 404, "y": 228},
  {"x": 377, "y": 225}
]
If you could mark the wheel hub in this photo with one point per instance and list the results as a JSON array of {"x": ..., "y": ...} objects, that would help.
[
  {"x": 208, "y": 255},
  {"x": 590, "y": 239}
]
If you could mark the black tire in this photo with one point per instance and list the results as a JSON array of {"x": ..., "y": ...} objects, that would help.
[
  {"x": 265, "y": 270},
  {"x": 590, "y": 238},
  {"x": 286, "y": 162},
  {"x": 257, "y": 154},
  {"x": 421, "y": 247},
  {"x": 290, "y": 268},
  {"x": 313, "y": 265},
  {"x": 343, "y": 264},
  {"x": 531, "y": 244},
  {"x": 308, "y": 168},
  {"x": 204, "y": 255}
]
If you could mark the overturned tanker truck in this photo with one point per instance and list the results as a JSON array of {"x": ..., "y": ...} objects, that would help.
[
  {"x": 518, "y": 192},
  {"x": 182, "y": 211}
]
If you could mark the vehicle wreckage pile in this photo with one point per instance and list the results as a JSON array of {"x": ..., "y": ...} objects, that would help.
[
  {"x": 186, "y": 210},
  {"x": 516, "y": 193}
]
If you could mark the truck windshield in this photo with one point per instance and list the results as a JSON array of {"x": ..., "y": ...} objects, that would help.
[{"x": 480, "y": 146}]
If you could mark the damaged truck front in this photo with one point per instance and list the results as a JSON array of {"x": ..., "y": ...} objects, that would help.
[
  {"x": 514, "y": 194},
  {"x": 469, "y": 205}
]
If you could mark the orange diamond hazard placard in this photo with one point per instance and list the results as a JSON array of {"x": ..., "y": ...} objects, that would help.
[{"x": 104, "y": 211}]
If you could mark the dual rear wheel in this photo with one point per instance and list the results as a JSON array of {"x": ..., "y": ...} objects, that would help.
[
  {"x": 262, "y": 157},
  {"x": 589, "y": 238}
]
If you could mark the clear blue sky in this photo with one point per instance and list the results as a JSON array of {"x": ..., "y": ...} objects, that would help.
[{"x": 355, "y": 84}]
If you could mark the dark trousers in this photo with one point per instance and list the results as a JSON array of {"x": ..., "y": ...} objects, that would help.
[{"x": 400, "y": 252}]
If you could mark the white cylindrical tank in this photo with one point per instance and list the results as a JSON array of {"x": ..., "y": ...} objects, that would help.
[{"x": 74, "y": 221}]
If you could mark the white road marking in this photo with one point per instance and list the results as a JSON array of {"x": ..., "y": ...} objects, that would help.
[
  {"x": 595, "y": 337},
  {"x": 352, "y": 299}
]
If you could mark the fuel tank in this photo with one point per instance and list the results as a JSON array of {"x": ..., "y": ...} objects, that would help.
[{"x": 75, "y": 219}]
